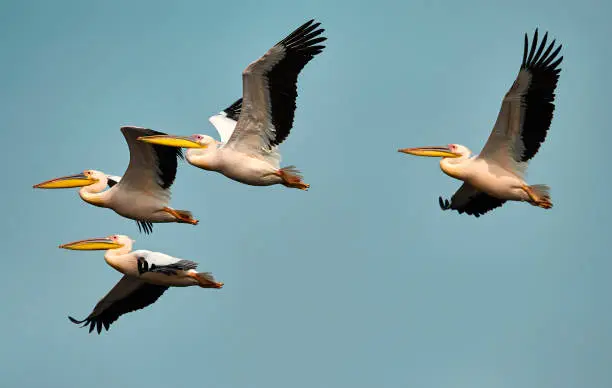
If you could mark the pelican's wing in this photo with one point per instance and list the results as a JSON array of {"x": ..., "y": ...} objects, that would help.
[
  {"x": 161, "y": 263},
  {"x": 128, "y": 295},
  {"x": 225, "y": 121},
  {"x": 470, "y": 201},
  {"x": 527, "y": 109},
  {"x": 112, "y": 180},
  {"x": 152, "y": 167},
  {"x": 269, "y": 90}
]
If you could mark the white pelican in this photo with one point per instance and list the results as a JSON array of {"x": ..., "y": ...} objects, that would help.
[
  {"x": 497, "y": 174},
  {"x": 147, "y": 275},
  {"x": 143, "y": 193},
  {"x": 249, "y": 154}
]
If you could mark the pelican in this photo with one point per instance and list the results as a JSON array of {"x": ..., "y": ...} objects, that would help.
[
  {"x": 142, "y": 194},
  {"x": 497, "y": 174},
  {"x": 249, "y": 153},
  {"x": 146, "y": 276}
]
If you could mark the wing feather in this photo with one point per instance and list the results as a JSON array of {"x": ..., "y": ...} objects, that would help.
[
  {"x": 129, "y": 294},
  {"x": 470, "y": 201},
  {"x": 152, "y": 167},
  {"x": 270, "y": 90},
  {"x": 527, "y": 108}
]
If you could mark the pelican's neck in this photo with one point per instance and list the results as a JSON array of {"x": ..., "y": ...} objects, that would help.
[
  {"x": 124, "y": 250},
  {"x": 205, "y": 158},
  {"x": 115, "y": 257},
  {"x": 95, "y": 194},
  {"x": 455, "y": 167}
]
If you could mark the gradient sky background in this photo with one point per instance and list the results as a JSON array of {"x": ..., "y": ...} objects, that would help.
[{"x": 360, "y": 282}]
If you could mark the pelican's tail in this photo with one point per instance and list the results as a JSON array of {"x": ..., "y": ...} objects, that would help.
[
  {"x": 292, "y": 177},
  {"x": 206, "y": 279},
  {"x": 542, "y": 194}
]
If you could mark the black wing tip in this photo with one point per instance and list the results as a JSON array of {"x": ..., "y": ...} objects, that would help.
[
  {"x": 127, "y": 128},
  {"x": 167, "y": 162},
  {"x": 145, "y": 227},
  {"x": 304, "y": 37},
  {"x": 93, "y": 324},
  {"x": 142, "y": 131},
  {"x": 235, "y": 105},
  {"x": 531, "y": 59},
  {"x": 132, "y": 127},
  {"x": 233, "y": 111},
  {"x": 76, "y": 321},
  {"x": 309, "y": 23},
  {"x": 444, "y": 203},
  {"x": 180, "y": 154}
]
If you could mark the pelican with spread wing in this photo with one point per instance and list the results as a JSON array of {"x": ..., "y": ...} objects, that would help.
[
  {"x": 497, "y": 174},
  {"x": 146, "y": 276},
  {"x": 248, "y": 153},
  {"x": 143, "y": 193}
]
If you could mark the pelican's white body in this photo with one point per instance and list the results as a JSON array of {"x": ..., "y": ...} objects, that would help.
[
  {"x": 485, "y": 175},
  {"x": 251, "y": 169},
  {"x": 126, "y": 262},
  {"x": 134, "y": 204}
]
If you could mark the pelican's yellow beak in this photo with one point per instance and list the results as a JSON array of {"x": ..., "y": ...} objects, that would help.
[
  {"x": 172, "y": 141},
  {"x": 442, "y": 152},
  {"x": 67, "y": 182},
  {"x": 92, "y": 244}
]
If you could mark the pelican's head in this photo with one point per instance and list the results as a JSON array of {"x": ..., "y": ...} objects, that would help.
[
  {"x": 450, "y": 151},
  {"x": 115, "y": 241},
  {"x": 86, "y": 178},
  {"x": 193, "y": 141}
]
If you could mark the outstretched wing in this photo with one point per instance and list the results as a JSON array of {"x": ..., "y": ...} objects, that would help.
[
  {"x": 470, "y": 201},
  {"x": 151, "y": 171},
  {"x": 152, "y": 167},
  {"x": 269, "y": 90},
  {"x": 527, "y": 108},
  {"x": 128, "y": 295},
  {"x": 225, "y": 121}
]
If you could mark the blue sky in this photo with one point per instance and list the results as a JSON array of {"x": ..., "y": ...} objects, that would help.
[{"x": 360, "y": 282}]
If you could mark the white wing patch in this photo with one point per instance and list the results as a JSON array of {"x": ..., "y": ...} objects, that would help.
[
  {"x": 224, "y": 126},
  {"x": 157, "y": 258}
]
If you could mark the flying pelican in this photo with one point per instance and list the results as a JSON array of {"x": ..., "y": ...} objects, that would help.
[
  {"x": 143, "y": 193},
  {"x": 248, "y": 153},
  {"x": 497, "y": 174},
  {"x": 146, "y": 276}
]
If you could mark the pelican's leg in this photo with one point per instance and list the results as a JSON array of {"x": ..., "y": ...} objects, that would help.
[
  {"x": 203, "y": 281},
  {"x": 540, "y": 199},
  {"x": 292, "y": 178},
  {"x": 181, "y": 216}
]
